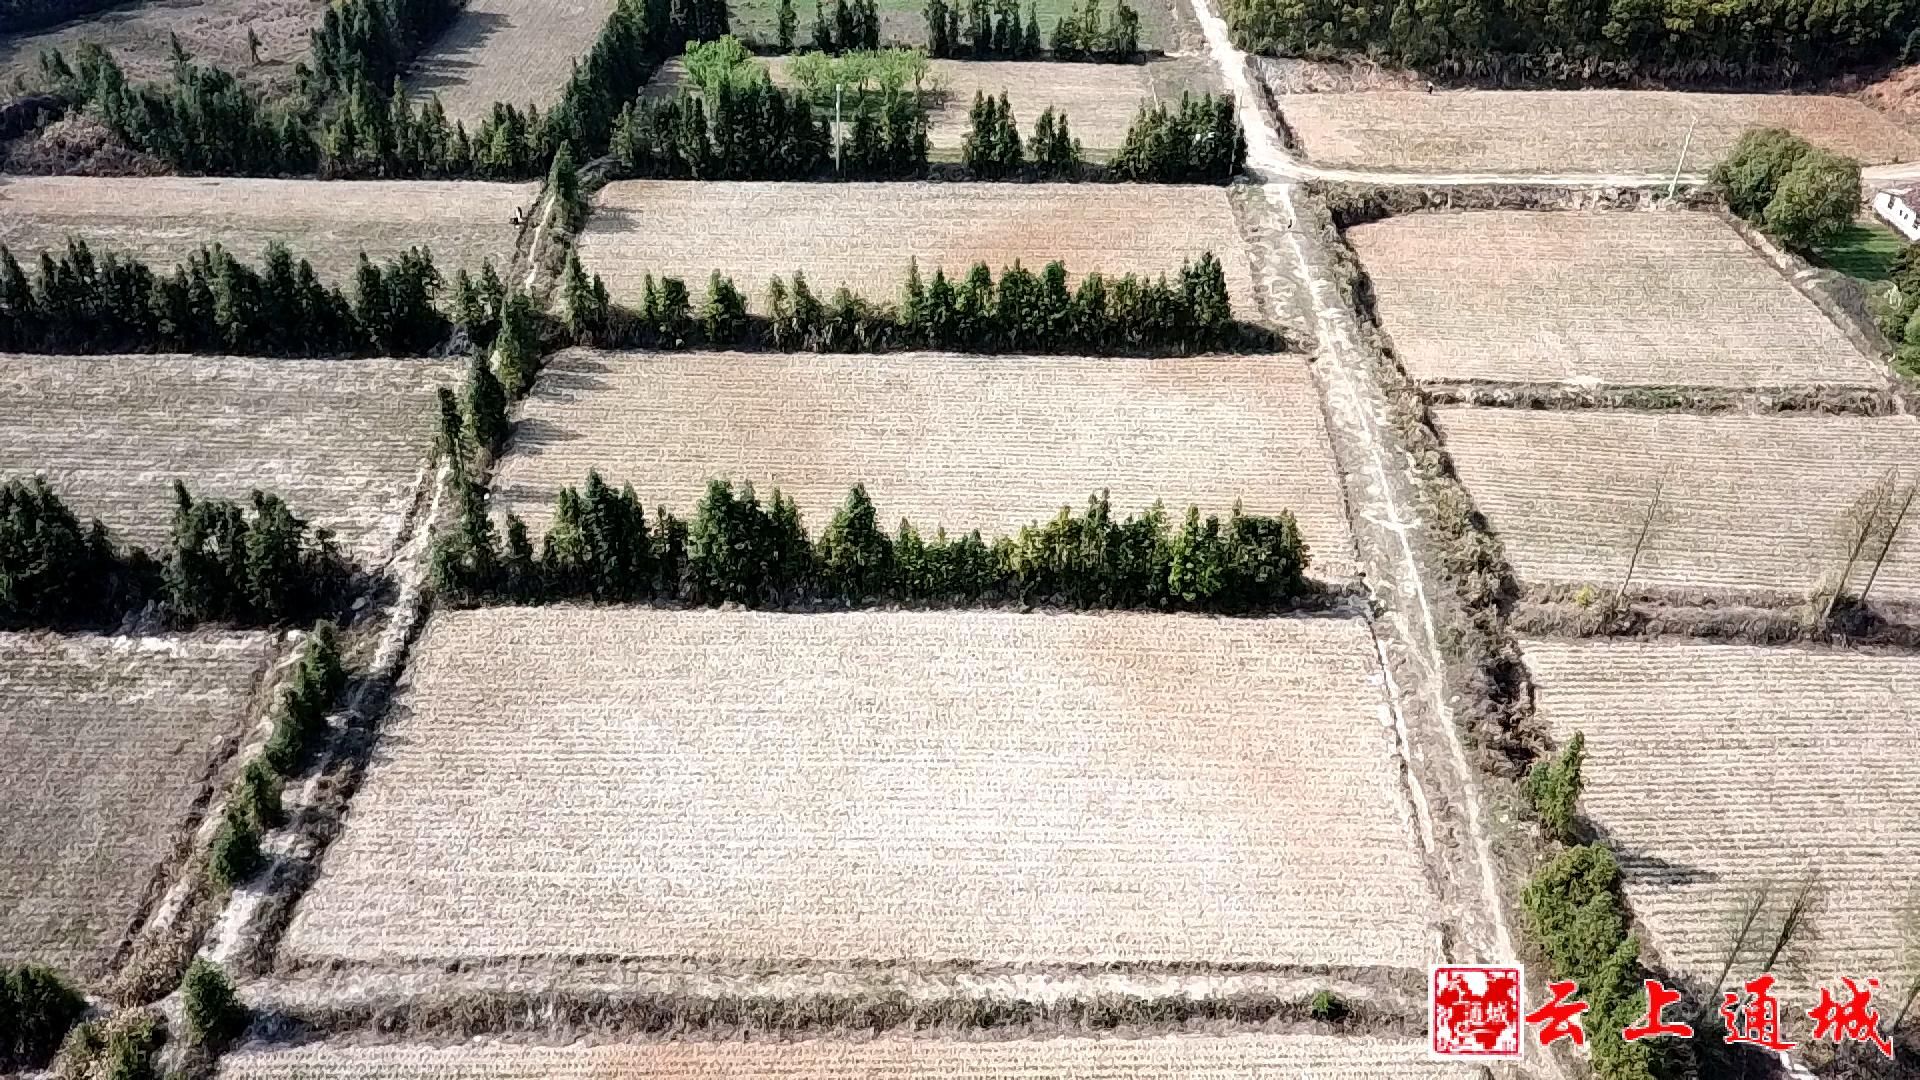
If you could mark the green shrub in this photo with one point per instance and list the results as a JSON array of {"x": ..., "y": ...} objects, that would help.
[
  {"x": 37, "y": 1009},
  {"x": 1801, "y": 195},
  {"x": 215, "y": 1016},
  {"x": 259, "y": 795},
  {"x": 1553, "y": 789},
  {"x": 236, "y": 849},
  {"x": 1327, "y": 1007}
]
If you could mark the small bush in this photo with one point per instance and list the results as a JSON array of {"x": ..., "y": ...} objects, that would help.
[
  {"x": 37, "y": 1010},
  {"x": 1327, "y": 1007},
  {"x": 215, "y": 1016},
  {"x": 1553, "y": 789},
  {"x": 258, "y": 794},
  {"x": 121, "y": 1047},
  {"x": 236, "y": 849}
]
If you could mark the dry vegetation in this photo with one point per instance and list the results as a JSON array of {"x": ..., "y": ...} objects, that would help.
[
  {"x": 862, "y": 235},
  {"x": 988, "y": 443},
  {"x": 108, "y": 743},
  {"x": 1602, "y": 297},
  {"x": 329, "y": 222},
  {"x": 211, "y": 31},
  {"x": 516, "y": 51},
  {"x": 1715, "y": 768},
  {"x": 1749, "y": 502},
  {"x": 1190, "y": 1057},
  {"x": 995, "y": 786},
  {"x": 1561, "y": 131},
  {"x": 343, "y": 441}
]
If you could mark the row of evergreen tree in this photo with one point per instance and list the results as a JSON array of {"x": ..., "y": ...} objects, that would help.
[
  {"x": 995, "y": 30},
  {"x": 370, "y": 42},
  {"x": 1199, "y": 142},
  {"x": 1021, "y": 312},
  {"x": 1742, "y": 42},
  {"x": 854, "y": 25},
  {"x": 992, "y": 150},
  {"x": 252, "y": 564},
  {"x": 758, "y": 131},
  {"x": 213, "y": 303},
  {"x": 603, "y": 546}
]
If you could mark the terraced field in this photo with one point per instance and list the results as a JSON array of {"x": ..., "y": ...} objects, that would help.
[
  {"x": 1716, "y": 768},
  {"x": 163, "y": 220},
  {"x": 1568, "y": 131},
  {"x": 211, "y": 31},
  {"x": 742, "y": 787},
  {"x": 1241, "y": 1057},
  {"x": 965, "y": 442},
  {"x": 1617, "y": 298},
  {"x": 863, "y": 235},
  {"x": 344, "y": 442},
  {"x": 108, "y": 743},
  {"x": 1749, "y": 502}
]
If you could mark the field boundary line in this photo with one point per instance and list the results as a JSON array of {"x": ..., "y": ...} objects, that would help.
[{"x": 1848, "y": 399}]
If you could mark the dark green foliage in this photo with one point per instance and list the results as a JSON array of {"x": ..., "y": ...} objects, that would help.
[
  {"x": 301, "y": 718},
  {"x": 992, "y": 31},
  {"x": 854, "y": 25},
  {"x": 477, "y": 302},
  {"x": 1744, "y": 41},
  {"x": 991, "y": 149},
  {"x": 750, "y": 131},
  {"x": 235, "y": 855},
  {"x": 214, "y": 1014},
  {"x": 588, "y": 309},
  {"x": 263, "y": 567},
  {"x": 1021, "y": 313},
  {"x": 1054, "y": 151},
  {"x": 517, "y": 345},
  {"x": 563, "y": 187},
  {"x": 1200, "y": 142},
  {"x": 887, "y": 139},
  {"x": 37, "y": 1010},
  {"x": 214, "y": 303},
  {"x": 55, "y": 571},
  {"x": 1575, "y": 914},
  {"x": 371, "y": 41},
  {"x": 1085, "y": 33},
  {"x": 1802, "y": 196},
  {"x": 125, "y": 1046},
  {"x": 1553, "y": 789},
  {"x": 785, "y": 23},
  {"x": 258, "y": 795},
  {"x": 486, "y": 409},
  {"x": 723, "y": 318},
  {"x": 737, "y": 549}
]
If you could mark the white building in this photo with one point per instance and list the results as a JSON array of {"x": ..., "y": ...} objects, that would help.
[{"x": 1897, "y": 205}]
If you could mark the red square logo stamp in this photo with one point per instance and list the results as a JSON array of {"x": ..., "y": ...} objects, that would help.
[{"x": 1475, "y": 1011}]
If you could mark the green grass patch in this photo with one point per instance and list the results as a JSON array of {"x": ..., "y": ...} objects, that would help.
[{"x": 1865, "y": 250}]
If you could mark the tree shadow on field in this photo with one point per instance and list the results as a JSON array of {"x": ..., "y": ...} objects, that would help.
[
  {"x": 532, "y": 436},
  {"x": 557, "y": 382},
  {"x": 1642, "y": 867},
  {"x": 448, "y": 63}
]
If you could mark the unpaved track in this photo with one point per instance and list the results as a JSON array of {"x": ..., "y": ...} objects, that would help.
[{"x": 1380, "y": 493}]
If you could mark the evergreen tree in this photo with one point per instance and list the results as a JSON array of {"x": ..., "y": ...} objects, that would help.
[
  {"x": 487, "y": 421},
  {"x": 856, "y": 558},
  {"x": 587, "y": 306},
  {"x": 723, "y": 318},
  {"x": 786, "y": 22},
  {"x": 214, "y": 1014},
  {"x": 563, "y": 187},
  {"x": 518, "y": 344},
  {"x": 235, "y": 855}
]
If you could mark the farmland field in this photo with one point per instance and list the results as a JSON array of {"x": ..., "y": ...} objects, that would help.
[
  {"x": 1750, "y": 502},
  {"x": 992, "y": 443},
  {"x": 1561, "y": 131},
  {"x": 1717, "y": 767},
  {"x": 211, "y": 31},
  {"x": 108, "y": 742},
  {"x": 329, "y": 222},
  {"x": 862, "y": 235},
  {"x": 515, "y": 51},
  {"x": 1604, "y": 297},
  {"x": 994, "y": 786},
  {"x": 342, "y": 441},
  {"x": 1189, "y": 1057}
]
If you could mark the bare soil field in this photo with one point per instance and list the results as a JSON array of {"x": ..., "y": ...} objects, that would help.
[
  {"x": 516, "y": 51},
  {"x": 108, "y": 743},
  {"x": 1716, "y": 768},
  {"x": 747, "y": 787},
  {"x": 964, "y": 442},
  {"x": 862, "y": 235},
  {"x": 1750, "y": 502},
  {"x": 328, "y": 222},
  {"x": 1099, "y": 100},
  {"x": 1176, "y": 1057},
  {"x": 342, "y": 441},
  {"x": 1562, "y": 131},
  {"x": 1604, "y": 297},
  {"x": 212, "y": 32}
]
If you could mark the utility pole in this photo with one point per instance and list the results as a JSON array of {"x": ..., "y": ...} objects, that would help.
[
  {"x": 836, "y": 129},
  {"x": 1682, "y": 163}
]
